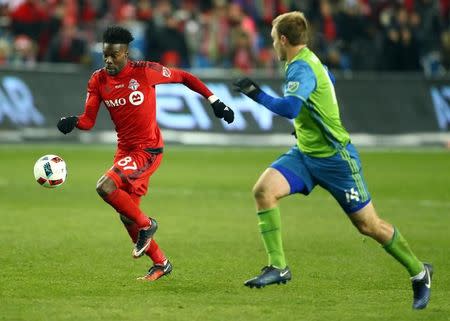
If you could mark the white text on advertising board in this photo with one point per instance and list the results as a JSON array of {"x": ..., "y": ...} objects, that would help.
[{"x": 173, "y": 99}]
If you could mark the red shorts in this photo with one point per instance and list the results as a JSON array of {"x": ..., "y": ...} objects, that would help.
[{"x": 132, "y": 169}]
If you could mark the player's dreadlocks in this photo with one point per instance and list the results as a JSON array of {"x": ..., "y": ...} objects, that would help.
[{"x": 116, "y": 34}]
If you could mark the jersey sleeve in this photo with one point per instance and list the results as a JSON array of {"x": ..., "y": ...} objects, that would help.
[
  {"x": 93, "y": 99},
  {"x": 159, "y": 74},
  {"x": 300, "y": 80}
]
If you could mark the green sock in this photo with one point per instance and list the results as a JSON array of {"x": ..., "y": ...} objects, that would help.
[
  {"x": 270, "y": 228},
  {"x": 399, "y": 249}
]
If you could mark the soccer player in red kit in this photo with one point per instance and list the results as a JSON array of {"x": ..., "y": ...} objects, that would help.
[{"x": 127, "y": 89}]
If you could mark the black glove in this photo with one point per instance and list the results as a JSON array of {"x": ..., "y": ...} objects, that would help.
[
  {"x": 222, "y": 111},
  {"x": 247, "y": 87},
  {"x": 67, "y": 124}
]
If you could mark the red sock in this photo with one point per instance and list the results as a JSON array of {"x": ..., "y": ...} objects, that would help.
[
  {"x": 124, "y": 204},
  {"x": 153, "y": 251}
]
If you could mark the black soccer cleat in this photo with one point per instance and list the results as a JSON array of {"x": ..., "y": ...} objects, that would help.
[
  {"x": 422, "y": 288},
  {"x": 144, "y": 239},
  {"x": 269, "y": 275},
  {"x": 157, "y": 271}
]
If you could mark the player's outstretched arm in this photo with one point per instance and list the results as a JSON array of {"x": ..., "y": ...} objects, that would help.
[
  {"x": 288, "y": 106},
  {"x": 221, "y": 110}
]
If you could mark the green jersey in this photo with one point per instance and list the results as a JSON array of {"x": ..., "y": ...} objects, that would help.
[{"x": 318, "y": 126}]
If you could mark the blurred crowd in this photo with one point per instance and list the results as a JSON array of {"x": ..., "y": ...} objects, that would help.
[{"x": 395, "y": 35}]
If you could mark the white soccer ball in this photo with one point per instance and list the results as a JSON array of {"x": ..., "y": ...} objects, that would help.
[{"x": 50, "y": 171}]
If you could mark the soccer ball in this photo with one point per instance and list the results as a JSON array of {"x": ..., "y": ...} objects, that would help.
[{"x": 50, "y": 171}]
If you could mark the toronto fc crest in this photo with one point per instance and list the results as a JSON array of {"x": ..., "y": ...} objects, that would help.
[{"x": 133, "y": 85}]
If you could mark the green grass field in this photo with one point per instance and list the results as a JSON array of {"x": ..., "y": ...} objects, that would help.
[{"x": 65, "y": 256}]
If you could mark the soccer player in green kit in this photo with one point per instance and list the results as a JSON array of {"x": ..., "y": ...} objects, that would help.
[{"x": 323, "y": 155}]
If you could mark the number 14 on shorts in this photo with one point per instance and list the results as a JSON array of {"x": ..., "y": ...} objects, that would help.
[{"x": 352, "y": 195}]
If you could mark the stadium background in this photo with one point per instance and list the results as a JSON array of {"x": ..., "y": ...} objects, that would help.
[
  {"x": 63, "y": 253},
  {"x": 391, "y": 60}
]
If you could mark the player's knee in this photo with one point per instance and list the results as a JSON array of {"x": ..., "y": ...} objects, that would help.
[
  {"x": 258, "y": 192},
  {"x": 262, "y": 194},
  {"x": 105, "y": 186},
  {"x": 364, "y": 229}
]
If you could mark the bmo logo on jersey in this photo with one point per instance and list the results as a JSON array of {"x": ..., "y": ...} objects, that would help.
[
  {"x": 135, "y": 98},
  {"x": 116, "y": 102}
]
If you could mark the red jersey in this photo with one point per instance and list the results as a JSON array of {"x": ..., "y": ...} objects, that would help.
[{"x": 130, "y": 99}]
